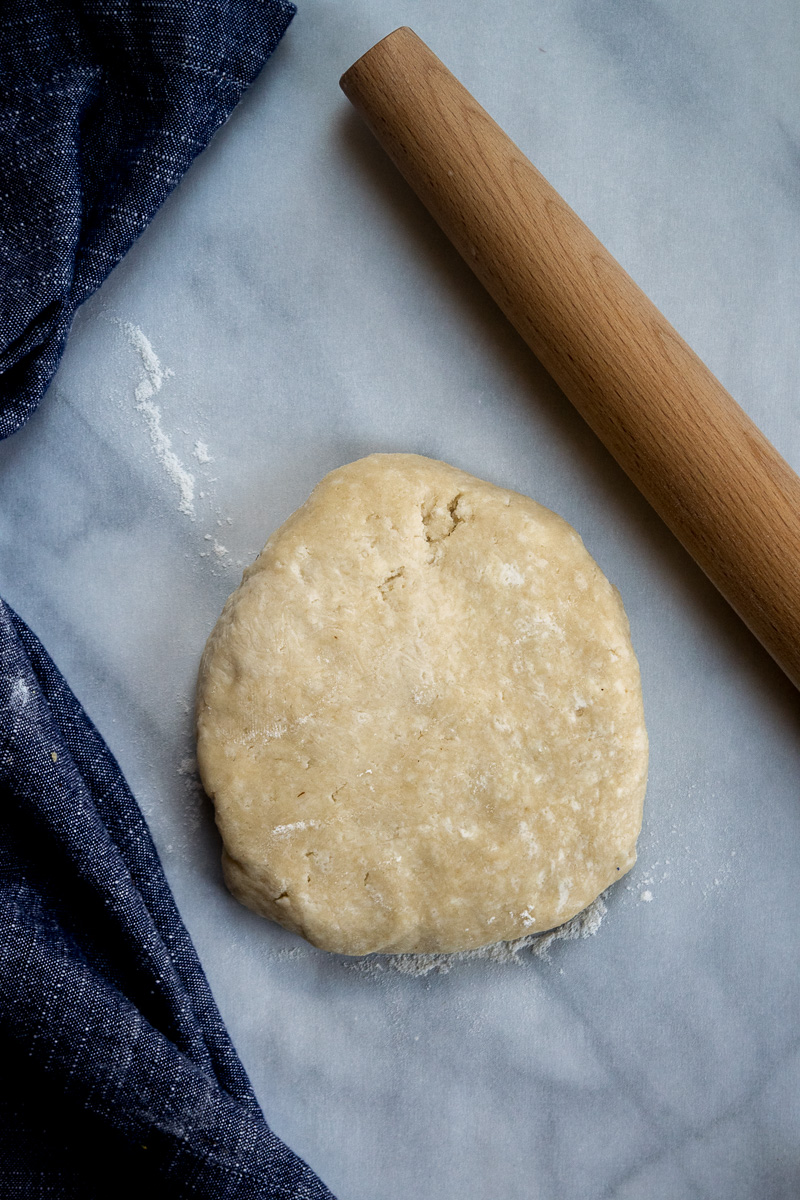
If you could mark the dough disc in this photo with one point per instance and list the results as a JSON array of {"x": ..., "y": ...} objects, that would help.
[{"x": 420, "y": 718}]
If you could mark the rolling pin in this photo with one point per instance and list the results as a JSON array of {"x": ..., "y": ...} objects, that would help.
[{"x": 709, "y": 472}]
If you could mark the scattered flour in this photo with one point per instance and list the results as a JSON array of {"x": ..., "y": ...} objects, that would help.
[
  {"x": 216, "y": 546},
  {"x": 167, "y": 456},
  {"x": 148, "y": 386},
  {"x": 153, "y": 381},
  {"x": 687, "y": 868},
  {"x": 585, "y": 924},
  {"x": 20, "y": 693}
]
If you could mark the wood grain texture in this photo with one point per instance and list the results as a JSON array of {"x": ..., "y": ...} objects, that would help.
[{"x": 722, "y": 488}]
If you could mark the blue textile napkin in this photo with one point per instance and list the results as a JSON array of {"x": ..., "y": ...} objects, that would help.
[
  {"x": 114, "y": 1053},
  {"x": 103, "y": 106},
  {"x": 113, "y": 1048},
  {"x": 119, "y": 1075}
]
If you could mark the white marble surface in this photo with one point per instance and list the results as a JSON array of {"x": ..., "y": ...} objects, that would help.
[{"x": 311, "y": 313}]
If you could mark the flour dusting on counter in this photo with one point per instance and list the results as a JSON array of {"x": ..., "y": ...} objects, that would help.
[
  {"x": 150, "y": 384},
  {"x": 585, "y": 924},
  {"x": 196, "y": 504}
]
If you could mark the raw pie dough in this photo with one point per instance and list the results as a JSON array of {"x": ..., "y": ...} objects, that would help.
[{"x": 419, "y": 717}]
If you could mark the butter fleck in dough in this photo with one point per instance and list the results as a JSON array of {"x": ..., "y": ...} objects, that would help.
[{"x": 420, "y": 717}]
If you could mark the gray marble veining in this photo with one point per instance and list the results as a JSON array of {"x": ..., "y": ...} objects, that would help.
[{"x": 310, "y": 312}]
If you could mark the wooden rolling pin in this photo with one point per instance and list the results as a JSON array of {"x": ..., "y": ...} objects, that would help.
[{"x": 687, "y": 445}]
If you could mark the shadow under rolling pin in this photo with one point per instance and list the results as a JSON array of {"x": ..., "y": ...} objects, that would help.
[{"x": 709, "y": 472}]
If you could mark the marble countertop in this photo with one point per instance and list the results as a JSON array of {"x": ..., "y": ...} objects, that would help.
[{"x": 303, "y": 310}]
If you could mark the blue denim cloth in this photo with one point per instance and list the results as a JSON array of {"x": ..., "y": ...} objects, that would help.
[
  {"x": 119, "y": 1075},
  {"x": 103, "y": 106}
]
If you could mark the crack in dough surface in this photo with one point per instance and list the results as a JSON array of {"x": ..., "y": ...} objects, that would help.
[{"x": 420, "y": 718}]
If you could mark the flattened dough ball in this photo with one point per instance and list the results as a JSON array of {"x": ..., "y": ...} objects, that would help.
[{"x": 419, "y": 717}]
